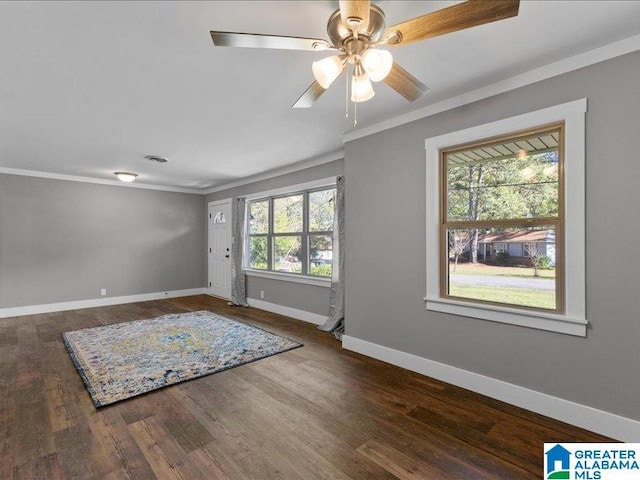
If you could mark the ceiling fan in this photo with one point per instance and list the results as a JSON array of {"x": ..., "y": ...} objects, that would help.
[{"x": 357, "y": 29}]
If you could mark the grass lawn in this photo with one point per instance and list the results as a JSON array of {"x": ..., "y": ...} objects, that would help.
[
  {"x": 515, "y": 296},
  {"x": 482, "y": 269}
]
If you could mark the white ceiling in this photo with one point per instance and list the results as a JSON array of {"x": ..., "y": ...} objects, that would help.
[{"x": 88, "y": 88}]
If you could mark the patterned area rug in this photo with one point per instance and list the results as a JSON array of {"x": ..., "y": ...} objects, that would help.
[{"x": 123, "y": 360}]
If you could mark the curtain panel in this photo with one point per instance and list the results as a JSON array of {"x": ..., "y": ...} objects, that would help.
[
  {"x": 335, "y": 322},
  {"x": 238, "y": 280}
]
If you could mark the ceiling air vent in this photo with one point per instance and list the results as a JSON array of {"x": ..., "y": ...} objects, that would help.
[{"x": 155, "y": 158}]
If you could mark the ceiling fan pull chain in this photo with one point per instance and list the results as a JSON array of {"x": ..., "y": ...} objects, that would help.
[
  {"x": 346, "y": 89},
  {"x": 355, "y": 113}
]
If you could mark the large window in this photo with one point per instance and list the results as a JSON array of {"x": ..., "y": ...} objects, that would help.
[
  {"x": 505, "y": 220},
  {"x": 502, "y": 220},
  {"x": 292, "y": 233}
]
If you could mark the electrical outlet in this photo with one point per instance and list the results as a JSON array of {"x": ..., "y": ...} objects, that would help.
[
  {"x": 103, "y": 292},
  {"x": 261, "y": 293}
]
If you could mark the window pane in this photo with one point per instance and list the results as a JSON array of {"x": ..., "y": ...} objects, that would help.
[
  {"x": 259, "y": 217},
  {"x": 320, "y": 255},
  {"x": 516, "y": 178},
  {"x": 287, "y": 214},
  {"x": 258, "y": 252},
  {"x": 321, "y": 209},
  {"x": 515, "y": 266},
  {"x": 220, "y": 218},
  {"x": 287, "y": 254}
]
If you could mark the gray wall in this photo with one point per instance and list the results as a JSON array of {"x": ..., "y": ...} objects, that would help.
[
  {"x": 303, "y": 297},
  {"x": 64, "y": 241},
  {"x": 385, "y": 179}
]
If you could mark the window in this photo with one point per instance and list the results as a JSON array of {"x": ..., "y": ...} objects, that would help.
[
  {"x": 500, "y": 248},
  {"x": 220, "y": 218},
  {"x": 507, "y": 193},
  {"x": 505, "y": 220},
  {"x": 292, "y": 234}
]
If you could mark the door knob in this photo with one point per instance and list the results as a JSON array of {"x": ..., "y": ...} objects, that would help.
[{"x": 226, "y": 256}]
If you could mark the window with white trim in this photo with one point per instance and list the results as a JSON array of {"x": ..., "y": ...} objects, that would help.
[
  {"x": 292, "y": 233},
  {"x": 509, "y": 223}
]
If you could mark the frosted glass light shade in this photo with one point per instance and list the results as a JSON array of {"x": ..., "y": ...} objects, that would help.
[
  {"x": 327, "y": 70},
  {"x": 125, "y": 176},
  {"x": 361, "y": 88},
  {"x": 377, "y": 63}
]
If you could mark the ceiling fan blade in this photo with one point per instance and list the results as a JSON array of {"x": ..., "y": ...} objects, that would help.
[
  {"x": 309, "y": 97},
  {"x": 255, "y": 40},
  {"x": 405, "y": 84},
  {"x": 451, "y": 19},
  {"x": 355, "y": 9}
]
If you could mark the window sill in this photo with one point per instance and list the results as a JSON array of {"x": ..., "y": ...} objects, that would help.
[
  {"x": 539, "y": 320},
  {"x": 289, "y": 277}
]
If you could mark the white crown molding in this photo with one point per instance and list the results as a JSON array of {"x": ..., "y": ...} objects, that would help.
[
  {"x": 99, "y": 181},
  {"x": 296, "y": 167},
  {"x": 96, "y": 302},
  {"x": 616, "y": 49},
  {"x": 287, "y": 311},
  {"x": 605, "y": 423}
]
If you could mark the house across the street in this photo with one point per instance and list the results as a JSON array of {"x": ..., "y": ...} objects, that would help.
[{"x": 521, "y": 245}]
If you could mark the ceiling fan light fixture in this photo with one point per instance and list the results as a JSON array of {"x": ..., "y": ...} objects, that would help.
[
  {"x": 361, "y": 88},
  {"x": 357, "y": 26},
  {"x": 125, "y": 177},
  {"x": 327, "y": 70},
  {"x": 377, "y": 63}
]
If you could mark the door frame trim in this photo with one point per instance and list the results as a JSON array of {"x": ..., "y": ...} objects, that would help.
[{"x": 209, "y": 205}]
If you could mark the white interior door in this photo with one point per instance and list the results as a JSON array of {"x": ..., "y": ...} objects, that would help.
[{"x": 220, "y": 248}]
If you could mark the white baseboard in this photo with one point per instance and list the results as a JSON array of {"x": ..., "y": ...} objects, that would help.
[
  {"x": 96, "y": 302},
  {"x": 599, "y": 421},
  {"x": 287, "y": 311}
]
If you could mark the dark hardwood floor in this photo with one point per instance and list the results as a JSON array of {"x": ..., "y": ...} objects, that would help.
[{"x": 317, "y": 412}]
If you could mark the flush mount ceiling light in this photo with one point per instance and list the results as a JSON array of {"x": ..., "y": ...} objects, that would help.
[
  {"x": 356, "y": 31},
  {"x": 125, "y": 177}
]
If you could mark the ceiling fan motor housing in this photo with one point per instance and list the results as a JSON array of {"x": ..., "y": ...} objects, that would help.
[{"x": 339, "y": 32}]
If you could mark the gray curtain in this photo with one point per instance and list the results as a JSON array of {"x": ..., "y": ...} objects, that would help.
[
  {"x": 238, "y": 285},
  {"x": 335, "y": 322}
]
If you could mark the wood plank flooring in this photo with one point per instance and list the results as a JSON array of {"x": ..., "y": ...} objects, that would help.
[{"x": 317, "y": 412}]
